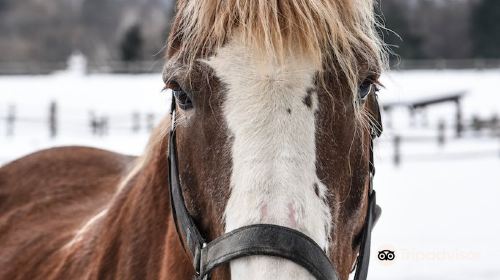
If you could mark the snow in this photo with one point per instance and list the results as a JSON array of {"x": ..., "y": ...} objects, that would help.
[
  {"x": 441, "y": 219},
  {"x": 116, "y": 96},
  {"x": 440, "y": 206},
  {"x": 482, "y": 87}
]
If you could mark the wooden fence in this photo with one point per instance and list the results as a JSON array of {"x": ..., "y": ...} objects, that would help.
[
  {"x": 99, "y": 125},
  {"x": 96, "y": 124},
  {"x": 476, "y": 128}
]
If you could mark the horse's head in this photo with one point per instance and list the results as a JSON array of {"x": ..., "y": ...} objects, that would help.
[{"x": 275, "y": 105}]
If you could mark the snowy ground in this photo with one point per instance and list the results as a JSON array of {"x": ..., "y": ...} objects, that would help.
[
  {"x": 116, "y": 96},
  {"x": 440, "y": 207},
  {"x": 440, "y": 216}
]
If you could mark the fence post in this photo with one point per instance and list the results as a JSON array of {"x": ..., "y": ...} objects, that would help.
[
  {"x": 136, "y": 122},
  {"x": 476, "y": 125},
  {"x": 495, "y": 125},
  {"x": 497, "y": 129},
  {"x": 458, "y": 118},
  {"x": 53, "y": 119},
  {"x": 150, "y": 121},
  {"x": 441, "y": 133},
  {"x": 93, "y": 123},
  {"x": 10, "y": 120},
  {"x": 397, "y": 150}
]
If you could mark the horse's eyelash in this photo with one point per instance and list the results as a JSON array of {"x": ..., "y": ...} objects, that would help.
[{"x": 378, "y": 85}]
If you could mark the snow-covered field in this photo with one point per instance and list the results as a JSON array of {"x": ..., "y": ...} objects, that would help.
[
  {"x": 440, "y": 207},
  {"x": 116, "y": 96}
]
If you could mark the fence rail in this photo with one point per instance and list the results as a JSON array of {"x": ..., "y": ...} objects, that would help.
[
  {"x": 443, "y": 137},
  {"x": 462, "y": 155},
  {"x": 96, "y": 124},
  {"x": 100, "y": 125}
]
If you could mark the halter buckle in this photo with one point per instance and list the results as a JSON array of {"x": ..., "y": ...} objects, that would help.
[{"x": 198, "y": 264}]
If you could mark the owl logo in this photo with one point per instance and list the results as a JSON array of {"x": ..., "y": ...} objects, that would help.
[{"x": 386, "y": 255}]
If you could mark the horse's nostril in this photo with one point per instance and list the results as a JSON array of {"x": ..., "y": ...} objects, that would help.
[{"x": 263, "y": 212}]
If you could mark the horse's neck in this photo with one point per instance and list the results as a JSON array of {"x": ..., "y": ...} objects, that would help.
[{"x": 134, "y": 237}]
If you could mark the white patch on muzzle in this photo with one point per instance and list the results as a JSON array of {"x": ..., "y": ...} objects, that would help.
[{"x": 273, "y": 154}]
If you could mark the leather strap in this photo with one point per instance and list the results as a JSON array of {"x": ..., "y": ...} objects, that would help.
[
  {"x": 363, "y": 261},
  {"x": 268, "y": 240},
  {"x": 186, "y": 228}
]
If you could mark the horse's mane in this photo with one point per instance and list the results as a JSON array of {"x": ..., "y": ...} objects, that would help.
[
  {"x": 154, "y": 145},
  {"x": 341, "y": 33}
]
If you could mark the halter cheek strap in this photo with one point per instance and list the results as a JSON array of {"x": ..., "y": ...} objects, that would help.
[{"x": 258, "y": 239}]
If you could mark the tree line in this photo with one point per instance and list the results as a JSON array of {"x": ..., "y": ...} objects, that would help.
[
  {"x": 441, "y": 29},
  {"x": 104, "y": 30}
]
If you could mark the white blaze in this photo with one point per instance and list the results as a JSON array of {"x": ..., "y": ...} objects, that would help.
[{"x": 273, "y": 154}]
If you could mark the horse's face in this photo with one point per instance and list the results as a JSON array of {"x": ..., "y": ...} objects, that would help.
[{"x": 263, "y": 143}]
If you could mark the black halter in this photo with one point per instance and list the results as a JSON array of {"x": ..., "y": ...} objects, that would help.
[{"x": 260, "y": 239}]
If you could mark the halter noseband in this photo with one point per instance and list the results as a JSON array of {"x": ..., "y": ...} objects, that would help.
[{"x": 260, "y": 239}]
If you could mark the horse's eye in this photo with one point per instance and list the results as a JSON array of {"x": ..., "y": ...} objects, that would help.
[
  {"x": 183, "y": 99},
  {"x": 365, "y": 89}
]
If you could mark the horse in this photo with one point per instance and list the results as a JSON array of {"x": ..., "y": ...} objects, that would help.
[{"x": 274, "y": 111}]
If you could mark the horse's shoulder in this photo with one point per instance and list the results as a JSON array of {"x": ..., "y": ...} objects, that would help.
[
  {"x": 72, "y": 154},
  {"x": 59, "y": 174},
  {"x": 46, "y": 196}
]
